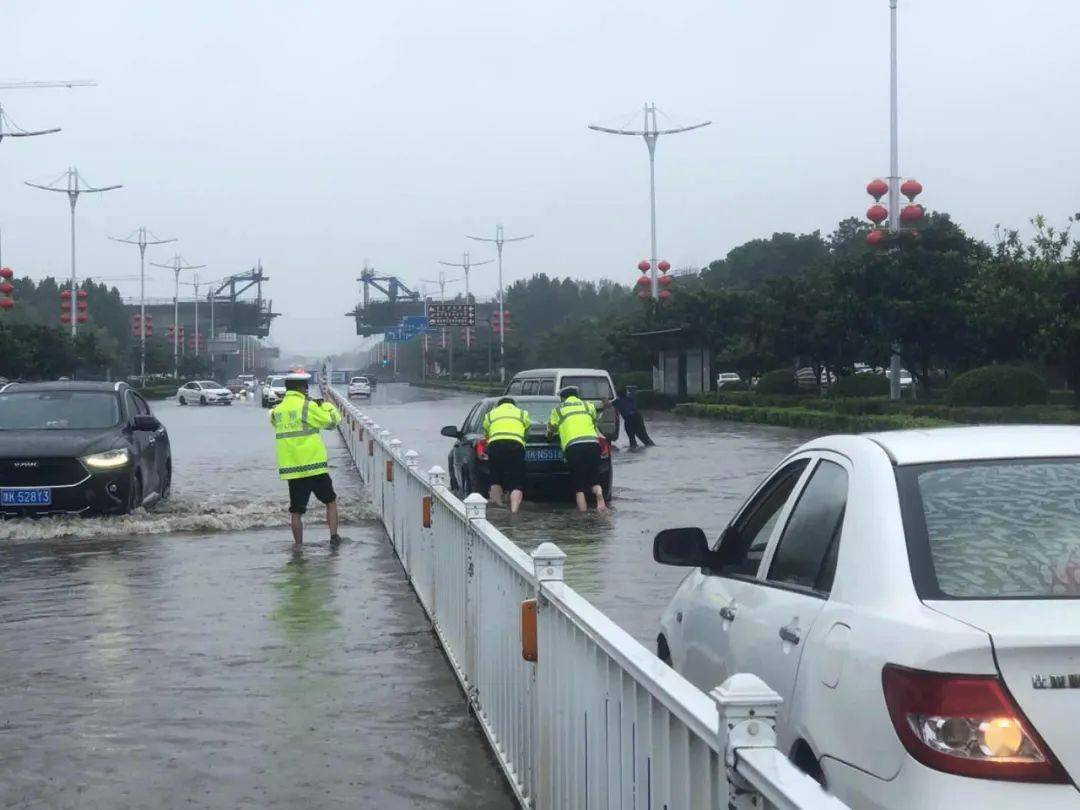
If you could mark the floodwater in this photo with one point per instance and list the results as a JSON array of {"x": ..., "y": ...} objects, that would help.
[
  {"x": 698, "y": 474},
  {"x": 183, "y": 658}
]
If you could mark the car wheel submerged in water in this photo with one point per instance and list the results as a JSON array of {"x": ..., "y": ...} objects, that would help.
[{"x": 135, "y": 493}]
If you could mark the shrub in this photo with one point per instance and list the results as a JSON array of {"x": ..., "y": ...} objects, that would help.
[
  {"x": 860, "y": 385},
  {"x": 998, "y": 385},
  {"x": 781, "y": 381}
]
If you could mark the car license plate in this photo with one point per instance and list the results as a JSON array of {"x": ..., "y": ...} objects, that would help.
[
  {"x": 25, "y": 497},
  {"x": 542, "y": 454}
]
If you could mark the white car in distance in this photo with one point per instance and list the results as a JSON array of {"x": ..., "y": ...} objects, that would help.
[
  {"x": 273, "y": 390},
  {"x": 359, "y": 387},
  {"x": 204, "y": 392},
  {"x": 914, "y": 598},
  {"x": 727, "y": 378}
]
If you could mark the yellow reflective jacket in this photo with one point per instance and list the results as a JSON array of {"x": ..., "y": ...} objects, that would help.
[
  {"x": 575, "y": 421},
  {"x": 297, "y": 421},
  {"x": 506, "y": 422}
]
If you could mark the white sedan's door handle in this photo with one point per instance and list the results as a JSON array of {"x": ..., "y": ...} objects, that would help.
[{"x": 790, "y": 633}]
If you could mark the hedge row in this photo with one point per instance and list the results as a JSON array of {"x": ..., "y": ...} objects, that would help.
[
  {"x": 484, "y": 389},
  {"x": 999, "y": 385},
  {"x": 159, "y": 391},
  {"x": 799, "y": 417}
]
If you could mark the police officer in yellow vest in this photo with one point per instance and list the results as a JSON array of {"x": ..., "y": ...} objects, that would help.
[
  {"x": 301, "y": 454},
  {"x": 505, "y": 428},
  {"x": 574, "y": 420}
]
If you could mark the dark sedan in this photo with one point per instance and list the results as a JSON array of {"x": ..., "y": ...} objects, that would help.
[
  {"x": 545, "y": 468},
  {"x": 79, "y": 448}
]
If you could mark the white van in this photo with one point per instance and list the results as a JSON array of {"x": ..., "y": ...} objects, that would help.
[{"x": 594, "y": 384}]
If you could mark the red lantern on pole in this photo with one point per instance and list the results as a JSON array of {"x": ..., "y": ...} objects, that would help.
[
  {"x": 643, "y": 295},
  {"x": 7, "y": 288},
  {"x": 910, "y": 214},
  {"x": 82, "y": 318},
  {"x": 644, "y": 266},
  {"x": 877, "y": 214},
  {"x": 81, "y": 306},
  {"x": 6, "y": 303},
  {"x": 663, "y": 266},
  {"x": 877, "y": 237},
  {"x": 643, "y": 281},
  {"x": 65, "y": 295},
  {"x": 65, "y": 317},
  {"x": 82, "y": 294},
  {"x": 664, "y": 281},
  {"x": 665, "y": 294},
  {"x": 877, "y": 188},
  {"x": 5, "y": 272},
  {"x": 911, "y": 189}
]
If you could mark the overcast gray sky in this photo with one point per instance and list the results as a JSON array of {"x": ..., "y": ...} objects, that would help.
[{"x": 314, "y": 134}]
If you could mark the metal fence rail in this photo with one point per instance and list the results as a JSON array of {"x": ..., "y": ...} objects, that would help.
[{"x": 597, "y": 721}]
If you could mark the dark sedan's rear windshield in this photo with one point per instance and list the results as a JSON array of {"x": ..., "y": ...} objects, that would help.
[
  {"x": 994, "y": 530},
  {"x": 58, "y": 410}
]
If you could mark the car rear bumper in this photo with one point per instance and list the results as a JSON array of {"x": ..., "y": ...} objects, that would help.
[
  {"x": 97, "y": 493},
  {"x": 550, "y": 477}
]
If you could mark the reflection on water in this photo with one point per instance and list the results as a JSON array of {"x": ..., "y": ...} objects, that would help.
[
  {"x": 698, "y": 473},
  {"x": 306, "y": 597}
]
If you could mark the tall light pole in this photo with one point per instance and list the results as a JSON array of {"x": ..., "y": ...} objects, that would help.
[
  {"x": 73, "y": 190},
  {"x": 195, "y": 285},
  {"x": 176, "y": 267},
  {"x": 894, "y": 177},
  {"x": 142, "y": 241},
  {"x": 651, "y": 133},
  {"x": 442, "y": 281},
  {"x": 9, "y": 129},
  {"x": 500, "y": 240},
  {"x": 467, "y": 264}
]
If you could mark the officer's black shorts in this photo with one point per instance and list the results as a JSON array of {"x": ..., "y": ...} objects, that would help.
[
  {"x": 301, "y": 489},
  {"x": 583, "y": 459},
  {"x": 506, "y": 462}
]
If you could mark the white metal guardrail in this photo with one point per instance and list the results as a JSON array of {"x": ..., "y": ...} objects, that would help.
[{"x": 597, "y": 721}]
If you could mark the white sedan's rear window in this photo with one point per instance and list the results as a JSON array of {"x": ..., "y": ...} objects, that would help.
[{"x": 1008, "y": 529}]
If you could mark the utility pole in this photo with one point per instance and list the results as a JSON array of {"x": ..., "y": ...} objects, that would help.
[
  {"x": 14, "y": 130},
  {"x": 894, "y": 178},
  {"x": 442, "y": 281},
  {"x": 73, "y": 190},
  {"x": 142, "y": 241},
  {"x": 176, "y": 267},
  {"x": 500, "y": 240},
  {"x": 466, "y": 264},
  {"x": 651, "y": 133},
  {"x": 195, "y": 287}
]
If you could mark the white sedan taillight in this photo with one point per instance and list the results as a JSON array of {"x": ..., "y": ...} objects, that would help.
[{"x": 966, "y": 724}]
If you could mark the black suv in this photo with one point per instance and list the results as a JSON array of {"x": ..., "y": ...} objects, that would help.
[{"x": 79, "y": 448}]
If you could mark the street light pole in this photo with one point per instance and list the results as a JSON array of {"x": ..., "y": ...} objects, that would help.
[
  {"x": 499, "y": 240},
  {"x": 466, "y": 264},
  {"x": 894, "y": 177},
  {"x": 176, "y": 267},
  {"x": 651, "y": 133},
  {"x": 141, "y": 240},
  {"x": 73, "y": 190},
  {"x": 442, "y": 281}
]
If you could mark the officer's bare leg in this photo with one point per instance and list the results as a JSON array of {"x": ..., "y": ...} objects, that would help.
[
  {"x": 598, "y": 491},
  {"x": 331, "y": 517},
  {"x": 582, "y": 504},
  {"x": 496, "y": 493},
  {"x": 297, "y": 529},
  {"x": 516, "y": 497}
]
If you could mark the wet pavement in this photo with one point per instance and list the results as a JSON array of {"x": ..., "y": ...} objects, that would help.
[
  {"x": 184, "y": 658},
  {"x": 698, "y": 474}
]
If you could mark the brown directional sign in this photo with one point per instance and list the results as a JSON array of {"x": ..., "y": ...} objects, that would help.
[{"x": 452, "y": 314}]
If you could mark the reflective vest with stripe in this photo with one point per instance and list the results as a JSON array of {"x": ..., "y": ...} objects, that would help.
[
  {"x": 506, "y": 422},
  {"x": 575, "y": 420},
  {"x": 297, "y": 421}
]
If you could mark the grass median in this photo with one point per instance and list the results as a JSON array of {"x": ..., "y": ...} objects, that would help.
[{"x": 802, "y": 417}]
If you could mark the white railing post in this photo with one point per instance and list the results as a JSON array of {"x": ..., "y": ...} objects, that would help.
[
  {"x": 747, "y": 708},
  {"x": 384, "y": 435},
  {"x": 395, "y": 447},
  {"x": 437, "y": 477},
  {"x": 475, "y": 509},
  {"x": 412, "y": 458},
  {"x": 549, "y": 562}
]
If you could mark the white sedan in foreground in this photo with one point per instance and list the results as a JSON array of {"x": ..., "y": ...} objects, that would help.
[
  {"x": 913, "y": 597},
  {"x": 359, "y": 387},
  {"x": 204, "y": 392}
]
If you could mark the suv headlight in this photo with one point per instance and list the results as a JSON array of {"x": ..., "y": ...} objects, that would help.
[{"x": 109, "y": 460}]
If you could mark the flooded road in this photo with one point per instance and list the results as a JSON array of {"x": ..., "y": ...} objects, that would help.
[
  {"x": 183, "y": 658},
  {"x": 698, "y": 474}
]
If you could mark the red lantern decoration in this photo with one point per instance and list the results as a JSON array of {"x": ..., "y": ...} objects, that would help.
[
  {"x": 644, "y": 266},
  {"x": 643, "y": 295},
  {"x": 82, "y": 318},
  {"x": 7, "y": 288},
  {"x": 877, "y": 214},
  {"x": 81, "y": 306},
  {"x": 877, "y": 237},
  {"x": 877, "y": 188},
  {"x": 65, "y": 295},
  {"x": 82, "y": 293},
  {"x": 665, "y": 294},
  {"x": 65, "y": 317},
  {"x": 911, "y": 189},
  {"x": 663, "y": 266},
  {"x": 6, "y": 303},
  {"x": 664, "y": 281},
  {"x": 643, "y": 281},
  {"x": 5, "y": 272},
  {"x": 911, "y": 214}
]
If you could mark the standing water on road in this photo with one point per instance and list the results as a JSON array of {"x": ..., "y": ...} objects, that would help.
[
  {"x": 181, "y": 657},
  {"x": 698, "y": 474}
]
